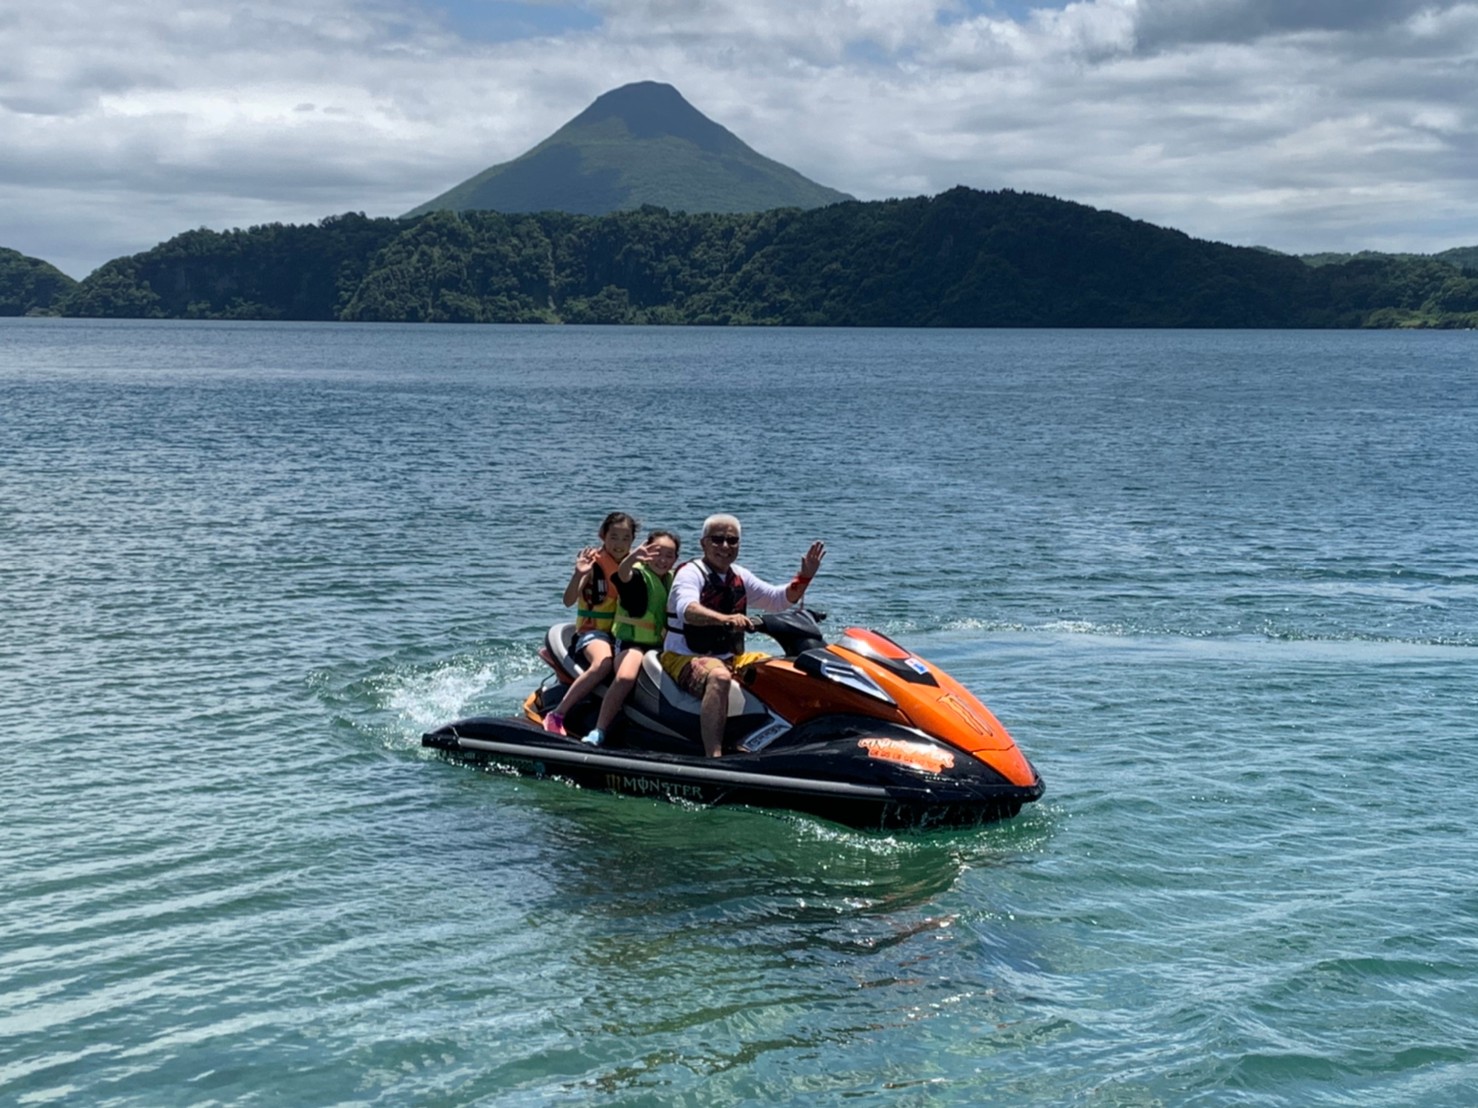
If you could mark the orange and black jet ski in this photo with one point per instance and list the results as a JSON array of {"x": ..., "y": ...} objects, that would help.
[{"x": 860, "y": 731}]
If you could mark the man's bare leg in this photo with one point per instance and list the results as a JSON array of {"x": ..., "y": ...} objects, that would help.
[{"x": 715, "y": 711}]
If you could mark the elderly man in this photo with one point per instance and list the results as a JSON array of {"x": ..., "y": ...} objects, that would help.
[{"x": 706, "y": 620}]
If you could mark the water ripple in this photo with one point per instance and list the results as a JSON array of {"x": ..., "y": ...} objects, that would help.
[{"x": 1219, "y": 586}]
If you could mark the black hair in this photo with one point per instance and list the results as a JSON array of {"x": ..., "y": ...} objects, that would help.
[
  {"x": 615, "y": 518},
  {"x": 676, "y": 542}
]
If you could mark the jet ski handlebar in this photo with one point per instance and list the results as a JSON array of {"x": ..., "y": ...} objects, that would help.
[{"x": 796, "y": 630}]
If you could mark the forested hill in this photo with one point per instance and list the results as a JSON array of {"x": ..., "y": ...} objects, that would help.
[
  {"x": 29, "y": 285},
  {"x": 961, "y": 259},
  {"x": 1463, "y": 257}
]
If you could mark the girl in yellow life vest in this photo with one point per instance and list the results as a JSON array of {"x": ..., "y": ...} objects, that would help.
[
  {"x": 642, "y": 580},
  {"x": 590, "y": 585}
]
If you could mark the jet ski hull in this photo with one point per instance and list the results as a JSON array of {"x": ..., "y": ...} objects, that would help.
[{"x": 857, "y": 773}]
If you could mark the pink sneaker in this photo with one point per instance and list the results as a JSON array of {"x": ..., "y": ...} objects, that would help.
[{"x": 554, "y": 723}]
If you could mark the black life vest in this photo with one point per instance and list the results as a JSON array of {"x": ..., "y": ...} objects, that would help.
[{"x": 723, "y": 593}]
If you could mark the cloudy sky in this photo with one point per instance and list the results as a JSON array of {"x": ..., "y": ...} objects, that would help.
[{"x": 1299, "y": 124}]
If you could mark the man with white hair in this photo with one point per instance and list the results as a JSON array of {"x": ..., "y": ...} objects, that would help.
[{"x": 706, "y": 620}]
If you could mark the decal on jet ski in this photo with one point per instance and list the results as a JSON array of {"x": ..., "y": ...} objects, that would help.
[
  {"x": 650, "y": 786},
  {"x": 917, "y": 755},
  {"x": 757, "y": 740}
]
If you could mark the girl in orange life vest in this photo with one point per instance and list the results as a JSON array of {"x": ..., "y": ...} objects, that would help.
[
  {"x": 590, "y": 584},
  {"x": 642, "y": 580}
]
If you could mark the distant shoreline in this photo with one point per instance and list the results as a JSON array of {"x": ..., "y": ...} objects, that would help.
[{"x": 961, "y": 259}]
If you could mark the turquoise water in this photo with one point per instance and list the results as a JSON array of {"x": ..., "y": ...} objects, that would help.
[{"x": 1220, "y": 586}]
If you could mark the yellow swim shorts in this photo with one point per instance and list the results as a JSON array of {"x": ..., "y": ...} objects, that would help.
[{"x": 690, "y": 672}]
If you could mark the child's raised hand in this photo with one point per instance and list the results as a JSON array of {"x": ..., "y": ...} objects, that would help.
[
  {"x": 585, "y": 560},
  {"x": 647, "y": 551}
]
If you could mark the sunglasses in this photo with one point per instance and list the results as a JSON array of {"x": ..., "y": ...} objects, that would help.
[{"x": 724, "y": 540}]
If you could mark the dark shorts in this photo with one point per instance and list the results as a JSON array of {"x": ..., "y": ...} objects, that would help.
[{"x": 585, "y": 638}]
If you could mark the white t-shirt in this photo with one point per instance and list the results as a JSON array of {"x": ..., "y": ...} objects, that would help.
[{"x": 687, "y": 585}]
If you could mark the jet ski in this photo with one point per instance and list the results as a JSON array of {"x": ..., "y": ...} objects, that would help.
[{"x": 860, "y": 731}]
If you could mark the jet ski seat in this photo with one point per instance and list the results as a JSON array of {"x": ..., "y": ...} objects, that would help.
[
  {"x": 656, "y": 701},
  {"x": 560, "y": 643},
  {"x": 658, "y": 697}
]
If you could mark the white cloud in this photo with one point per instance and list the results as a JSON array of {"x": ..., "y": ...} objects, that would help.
[{"x": 1311, "y": 125}]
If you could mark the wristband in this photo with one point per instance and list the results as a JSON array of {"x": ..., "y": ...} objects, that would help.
[{"x": 801, "y": 581}]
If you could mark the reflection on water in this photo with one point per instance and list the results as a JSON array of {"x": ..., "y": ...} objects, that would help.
[{"x": 709, "y": 942}]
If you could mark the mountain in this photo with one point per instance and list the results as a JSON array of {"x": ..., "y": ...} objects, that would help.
[
  {"x": 29, "y": 285},
  {"x": 638, "y": 144}
]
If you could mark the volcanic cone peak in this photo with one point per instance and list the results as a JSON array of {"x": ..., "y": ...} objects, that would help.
[{"x": 641, "y": 143}]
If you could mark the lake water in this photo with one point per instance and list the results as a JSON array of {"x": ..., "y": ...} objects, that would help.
[{"x": 1222, "y": 588}]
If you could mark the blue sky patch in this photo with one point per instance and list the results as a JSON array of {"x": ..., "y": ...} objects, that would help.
[{"x": 1016, "y": 10}]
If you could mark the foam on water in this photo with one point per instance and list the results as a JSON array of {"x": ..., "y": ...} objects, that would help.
[
  {"x": 397, "y": 701},
  {"x": 461, "y": 687}
]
